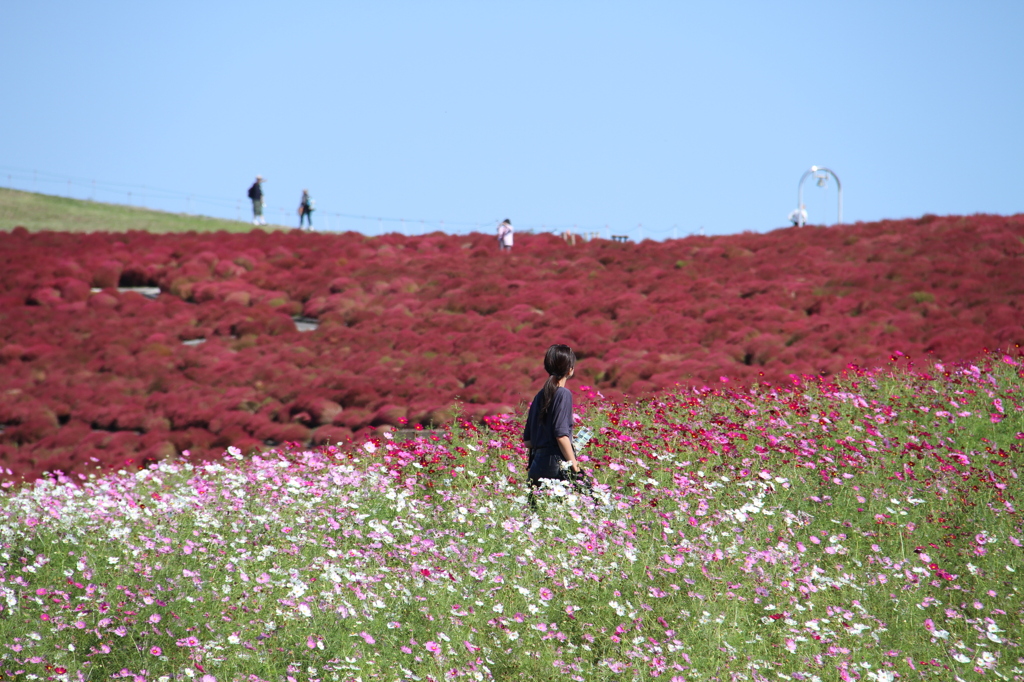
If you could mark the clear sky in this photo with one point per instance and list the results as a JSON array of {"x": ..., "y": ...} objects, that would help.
[{"x": 677, "y": 116}]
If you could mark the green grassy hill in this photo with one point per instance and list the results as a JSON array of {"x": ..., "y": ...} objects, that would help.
[{"x": 37, "y": 212}]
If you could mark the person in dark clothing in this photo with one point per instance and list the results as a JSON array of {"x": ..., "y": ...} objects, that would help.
[
  {"x": 306, "y": 209},
  {"x": 256, "y": 194},
  {"x": 548, "y": 432}
]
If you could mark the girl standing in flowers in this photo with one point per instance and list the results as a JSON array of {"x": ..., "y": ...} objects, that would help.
[{"x": 548, "y": 433}]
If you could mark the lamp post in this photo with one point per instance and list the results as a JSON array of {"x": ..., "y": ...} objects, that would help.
[{"x": 821, "y": 174}]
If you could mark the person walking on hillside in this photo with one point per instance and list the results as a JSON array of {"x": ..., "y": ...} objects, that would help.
[
  {"x": 548, "y": 432},
  {"x": 306, "y": 209},
  {"x": 505, "y": 231},
  {"x": 256, "y": 194},
  {"x": 798, "y": 216}
]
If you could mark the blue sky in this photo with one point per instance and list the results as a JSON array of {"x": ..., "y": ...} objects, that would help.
[{"x": 674, "y": 116}]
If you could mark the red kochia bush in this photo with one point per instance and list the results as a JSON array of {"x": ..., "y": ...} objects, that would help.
[{"x": 410, "y": 324}]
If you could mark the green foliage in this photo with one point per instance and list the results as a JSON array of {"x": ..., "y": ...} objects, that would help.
[
  {"x": 923, "y": 297},
  {"x": 38, "y": 212}
]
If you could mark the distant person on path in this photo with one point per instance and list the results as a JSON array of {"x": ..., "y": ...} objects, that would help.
[
  {"x": 256, "y": 194},
  {"x": 505, "y": 231},
  {"x": 798, "y": 216},
  {"x": 306, "y": 209},
  {"x": 548, "y": 432}
]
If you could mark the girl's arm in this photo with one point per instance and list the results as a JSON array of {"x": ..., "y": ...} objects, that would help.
[{"x": 565, "y": 446}]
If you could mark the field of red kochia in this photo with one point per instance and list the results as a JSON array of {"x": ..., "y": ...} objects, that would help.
[{"x": 409, "y": 325}]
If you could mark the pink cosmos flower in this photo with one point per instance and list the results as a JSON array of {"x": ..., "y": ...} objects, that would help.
[
  {"x": 155, "y": 618},
  {"x": 155, "y": 650},
  {"x": 546, "y": 594},
  {"x": 368, "y": 637},
  {"x": 433, "y": 647}
]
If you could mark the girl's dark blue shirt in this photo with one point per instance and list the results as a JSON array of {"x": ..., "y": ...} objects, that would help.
[{"x": 542, "y": 434}]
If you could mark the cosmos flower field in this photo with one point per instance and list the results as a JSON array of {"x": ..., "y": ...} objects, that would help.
[{"x": 865, "y": 528}]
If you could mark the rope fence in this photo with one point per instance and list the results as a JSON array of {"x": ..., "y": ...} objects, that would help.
[{"x": 240, "y": 209}]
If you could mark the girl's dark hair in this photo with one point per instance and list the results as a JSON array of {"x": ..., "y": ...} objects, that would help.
[{"x": 558, "y": 362}]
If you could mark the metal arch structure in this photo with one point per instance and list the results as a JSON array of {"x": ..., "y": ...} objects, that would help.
[{"x": 821, "y": 173}]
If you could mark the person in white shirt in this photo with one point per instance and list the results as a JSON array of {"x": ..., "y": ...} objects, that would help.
[
  {"x": 505, "y": 231},
  {"x": 798, "y": 216}
]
